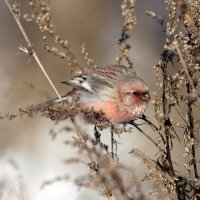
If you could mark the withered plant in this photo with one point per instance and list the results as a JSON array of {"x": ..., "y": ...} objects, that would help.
[{"x": 175, "y": 121}]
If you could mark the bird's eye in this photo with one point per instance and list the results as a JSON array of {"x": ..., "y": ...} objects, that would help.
[{"x": 135, "y": 93}]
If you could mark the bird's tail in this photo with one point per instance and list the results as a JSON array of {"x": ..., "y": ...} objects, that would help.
[{"x": 43, "y": 106}]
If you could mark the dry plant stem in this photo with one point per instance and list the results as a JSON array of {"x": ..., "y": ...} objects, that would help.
[
  {"x": 167, "y": 133},
  {"x": 153, "y": 126},
  {"x": 192, "y": 134},
  {"x": 90, "y": 157},
  {"x": 112, "y": 141},
  {"x": 33, "y": 53},
  {"x": 46, "y": 75},
  {"x": 166, "y": 129},
  {"x": 184, "y": 64},
  {"x": 147, "y": 136},
  {"x": 82, "y": 140}
]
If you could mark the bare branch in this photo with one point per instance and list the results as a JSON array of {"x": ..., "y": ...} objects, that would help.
[{"x": 29, "y": 45}]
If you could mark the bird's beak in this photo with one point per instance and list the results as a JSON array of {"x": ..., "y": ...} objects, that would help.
[{"x": 146, "y": 97}]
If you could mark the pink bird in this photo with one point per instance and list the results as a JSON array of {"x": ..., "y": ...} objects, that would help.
[{"x": 113, "y": 89}]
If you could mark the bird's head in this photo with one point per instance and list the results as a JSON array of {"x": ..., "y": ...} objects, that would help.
[{"x": 133, "y": 91}]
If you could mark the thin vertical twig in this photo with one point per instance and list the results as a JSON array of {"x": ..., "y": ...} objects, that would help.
[
  {"x": 90, "y": 157},
  {"x": 147, "y": 136},
  {"x": 112, "y": 141},
  {"x": 29, "y": 46},
  {"x": 165, "y": 113},
  {"x": 192, "y": 134},
  {"x": 184, "y": 64},
  {"x": 153, "y": 127}
]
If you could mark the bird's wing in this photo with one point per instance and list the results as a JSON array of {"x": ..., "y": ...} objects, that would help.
[
  {"x": 91, "y": 83},
  {"x": 98, "y": 78}
]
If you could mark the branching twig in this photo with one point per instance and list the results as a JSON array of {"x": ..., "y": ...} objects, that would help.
[
  {"x": 192, "y": 134},
  {"x": 166, "y": 117},
  {"x": 184, "y": 64},
  {"x": 153, "y": 126},
  {"x": 90, "y": 157},
  {"x": 30, "y": 47},
  {"x": 156, "y": 144}
]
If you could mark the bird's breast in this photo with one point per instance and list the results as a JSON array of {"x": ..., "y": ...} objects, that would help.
[{"x": 113, "y": 112}]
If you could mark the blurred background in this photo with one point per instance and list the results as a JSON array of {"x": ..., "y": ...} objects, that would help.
[{"x": 28, "y": 154}]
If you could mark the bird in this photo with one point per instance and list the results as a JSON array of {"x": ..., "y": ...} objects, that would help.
[{"x": 115, "y": 90}]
